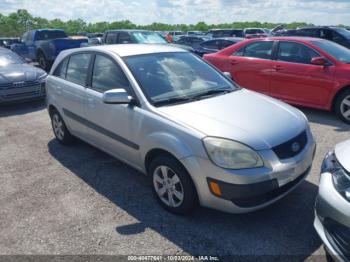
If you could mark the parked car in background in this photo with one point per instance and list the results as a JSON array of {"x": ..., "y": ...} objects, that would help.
[
  {"x": 8, "y": 41},
  {"x": 93, "y": 41},
  {"x": 336, "y": 34},
  {"x": 19, "y": 81},
  {"x": 185, "y": 124},
  {"x": 285, "y": 32},
  {"x": 308, "y": 72},
  {"x": 332, "y": 216},
  {"x": 129, "y": 36},
  {"x": 216, "y": 33},
  {"x": 43, "y": 45},
  {"x": 254, "y": 32},
  {"x": 94, "y": 35},
  {"x": 192, "y": 41},
  {"x": 194, "y": 33},
  {"x": 216, "y": 44},
  {"x": 173, "y": 36}
]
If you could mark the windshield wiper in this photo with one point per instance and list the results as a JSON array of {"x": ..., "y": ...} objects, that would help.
[
  {"x": 212, "y": 93},
  {"x": 169, "y": 101}
]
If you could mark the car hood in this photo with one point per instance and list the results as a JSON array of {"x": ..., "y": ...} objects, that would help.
[
  {"x": 19, "y": 73},
  {"x": 342, "y": 152},
  {"x": 251, "y": 118}
]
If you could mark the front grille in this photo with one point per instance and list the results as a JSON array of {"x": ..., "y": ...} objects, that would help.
[
  {"x": 29, "y": 89},
  {"x": 292, "y": 147},
  {"x": 339, "y": 237}
]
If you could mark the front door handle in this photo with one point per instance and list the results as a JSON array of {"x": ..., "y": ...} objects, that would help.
[{"x": 234, "y": 62}]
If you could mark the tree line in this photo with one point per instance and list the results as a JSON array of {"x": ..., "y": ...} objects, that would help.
[{"x": 16, "y": 23}]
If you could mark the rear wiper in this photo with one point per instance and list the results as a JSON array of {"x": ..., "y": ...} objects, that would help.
[
  {"x": 212, "y": 92},
  {"x": 169, "y": 101}
]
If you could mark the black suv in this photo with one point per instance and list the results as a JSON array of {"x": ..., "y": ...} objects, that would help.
[{"x": 336, "y": 34}]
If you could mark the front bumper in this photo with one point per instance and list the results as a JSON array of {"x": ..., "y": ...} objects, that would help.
[
  {"x": 250, "y": 189},
  {"x": 332, "y": 219},
  {"x": 25, "y": 93}
]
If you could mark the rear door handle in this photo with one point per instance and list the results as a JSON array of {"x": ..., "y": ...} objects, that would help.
[{"x": 278, "y": 68}]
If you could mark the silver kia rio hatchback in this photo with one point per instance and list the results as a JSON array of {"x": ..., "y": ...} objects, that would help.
[{"x": 164, "y": 111}]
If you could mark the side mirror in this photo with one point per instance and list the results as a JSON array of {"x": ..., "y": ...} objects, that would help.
[
  {"x": 319, "y": 61},
  {"x": 116, "y": 96},
  {"x": 228, "y": 75}
]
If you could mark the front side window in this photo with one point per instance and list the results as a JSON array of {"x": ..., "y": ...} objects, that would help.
[
  {"x": 107, "y": 75},
  {"x": 166, "y": 77},
  {"x": 124, "y": 38},
  {"x": 78, "y": 68},
  {"x": 260, "y": 49},
  {"x": 295, "y": 53}
]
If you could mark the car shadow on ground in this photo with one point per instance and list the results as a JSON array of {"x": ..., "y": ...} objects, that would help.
[
  {"x": 285, "y": 228},
  {"x": 325, "y": 118},
  {"x": 21, "y": 108}
]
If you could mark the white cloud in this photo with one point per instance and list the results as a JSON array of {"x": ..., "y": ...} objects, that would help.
[{"x": 187, "y": 11}]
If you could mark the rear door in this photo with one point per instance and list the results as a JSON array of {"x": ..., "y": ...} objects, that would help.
[
  {"x": 70, "y": 87},
  {"x": 110, "y": 125},
  {"x": 295, "y": 80},
  {"x": 251, "y": 66}
]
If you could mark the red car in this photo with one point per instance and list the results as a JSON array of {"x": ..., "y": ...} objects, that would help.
[{"x": 302, "y": 71}]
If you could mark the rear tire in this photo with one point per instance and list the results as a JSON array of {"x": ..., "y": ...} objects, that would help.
[
  {"x": 59, "y": 128},
  {"x": 172, "y": 185},
  {"x": 342, "y": 106}
]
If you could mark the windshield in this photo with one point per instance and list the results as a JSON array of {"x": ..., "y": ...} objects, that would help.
[
  {"x": 7, "y": 58},
  {"x": 47, "y": 35},
  {"x": 148, "y": 38},
  {"x": 171, "y": 76},
  {"x": 339, "y": 52}
]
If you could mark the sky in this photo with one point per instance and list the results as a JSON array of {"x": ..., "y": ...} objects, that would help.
[{"x": 319, "y": 12}]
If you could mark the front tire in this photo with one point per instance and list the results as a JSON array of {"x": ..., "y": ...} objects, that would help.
[
  {"x": 60, "y": 130},
  {"x": 43, "y": 62},
  {"x": 172, "y": 185},
  {"x": 342, "y": 106}
]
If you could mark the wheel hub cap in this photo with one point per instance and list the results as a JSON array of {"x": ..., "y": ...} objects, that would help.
[{"x": 345, "y": 108}]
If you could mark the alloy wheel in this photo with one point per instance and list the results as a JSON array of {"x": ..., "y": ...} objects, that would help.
[
  {"x": 345, "y": 107},
  {"x": 168, "y": 186},
  {"x": 58, "y": 126}
]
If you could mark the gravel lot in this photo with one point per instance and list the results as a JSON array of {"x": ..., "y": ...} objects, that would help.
[{"x": 78, "y": 200}]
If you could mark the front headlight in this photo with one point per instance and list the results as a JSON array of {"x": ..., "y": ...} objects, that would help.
[
  {"x": 231, "y": 154},
  {"x": 341, "y": 178}
]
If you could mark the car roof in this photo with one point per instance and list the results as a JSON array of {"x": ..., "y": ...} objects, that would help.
[
  {"x": 126, "y": 30},
  {"x": 292, "y": 38},
  {"x": 123, "y": 50}
]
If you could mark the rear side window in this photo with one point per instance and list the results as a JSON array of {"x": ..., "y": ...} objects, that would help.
[
  {"x": 213, "y": 44},
  {"x": 260, "y": 49},
  {"x": 226, "y": 43},
  {"x": 61, "y": 69},
  {"x": 78, "y": 68},
  {"x": 295, "y": 53},
  {"x": 108, "y": 75},
  {"x": 111, "y": 38}
]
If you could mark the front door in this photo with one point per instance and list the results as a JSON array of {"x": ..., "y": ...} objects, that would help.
[
  {"x": 110, "y": 125},
  {"x": 295, "y": 80}
]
